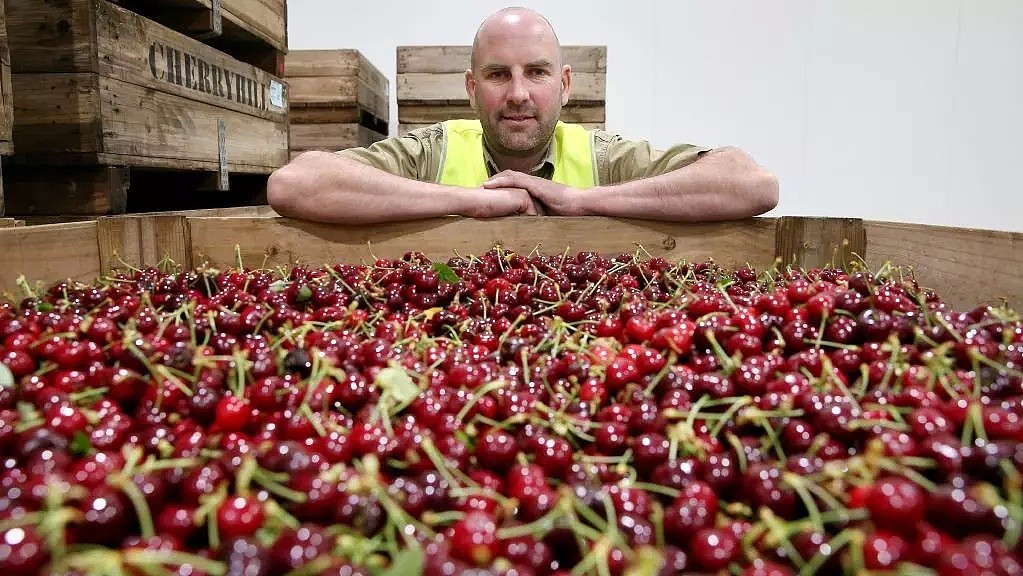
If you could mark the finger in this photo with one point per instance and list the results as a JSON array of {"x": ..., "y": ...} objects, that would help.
[{"x": 499, "y": 181}]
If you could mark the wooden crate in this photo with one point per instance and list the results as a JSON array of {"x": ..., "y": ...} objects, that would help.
[
  {"x": 253, "y": 31},
  {"x": 338, "y": 100},
  {"x": 966, "y": 267},
  {"x": 430, "y": 85},
  {"x": 104, "y": 93}
]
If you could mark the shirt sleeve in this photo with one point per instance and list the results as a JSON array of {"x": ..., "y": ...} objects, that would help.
[
  {"x": 626, "y": 160},
  {"x": 416, "y": 155}
]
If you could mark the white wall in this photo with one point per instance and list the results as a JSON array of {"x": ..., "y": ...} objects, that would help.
[{"x": 907, "y": 110}]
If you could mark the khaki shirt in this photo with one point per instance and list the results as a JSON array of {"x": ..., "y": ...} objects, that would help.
[{"x": 417, "y": 155}]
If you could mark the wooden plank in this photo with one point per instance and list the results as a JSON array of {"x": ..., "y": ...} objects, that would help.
[
  {"x": 239, "y": 21},
  {"x": 285, "y": 241},
  {"x": 966, "y": 267},
  {"x": 343, "y": 115},
  {"x": 6, "y": 93},
  {"x": 335, "y": 91},
  {"x": 143, "y": 240},
  {"x": 331, "y": 137},
  {"x": 426, "y": 114},
  {"x": 262, "y": 211},
  {"x": 47, "y": 254},
  {"x": 66, "y": 190},
  {"x": 444, "y": 59},
  {"x": 449, "y": 88},
  {"x": 325, "y": 63},
  {"x": 139, "y": 126},
  {"x": 405, "y": 128},
  {"x": 818, "y": 242}
]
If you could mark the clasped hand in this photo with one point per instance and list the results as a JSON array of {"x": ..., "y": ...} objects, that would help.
[{"x": 533, "y": 195}]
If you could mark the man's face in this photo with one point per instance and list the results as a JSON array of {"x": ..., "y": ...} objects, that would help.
[{"x": 518, "y": 86}]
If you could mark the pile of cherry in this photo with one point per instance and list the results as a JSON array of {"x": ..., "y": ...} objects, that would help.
[{"x": 508, "y": 414}]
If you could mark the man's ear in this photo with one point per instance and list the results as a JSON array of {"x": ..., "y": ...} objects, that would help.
[
  {"x": 470, "y": 87},
  {"x": 566, "y": 83}
]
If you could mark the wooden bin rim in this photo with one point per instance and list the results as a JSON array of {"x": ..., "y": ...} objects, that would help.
[{"x": 966, "y": 266}]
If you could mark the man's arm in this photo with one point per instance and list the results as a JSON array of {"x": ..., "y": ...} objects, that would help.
[
  {"x": 326, "y": 187},
  {"x": 722, "y": 184}
]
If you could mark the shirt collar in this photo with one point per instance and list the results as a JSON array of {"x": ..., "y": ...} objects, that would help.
[{"x": 545, "y": 169}]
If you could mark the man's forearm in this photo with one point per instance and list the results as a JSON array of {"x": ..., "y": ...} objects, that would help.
[
  {"x": 326, "y": 187},
  {"x": 724, "y": 184}
]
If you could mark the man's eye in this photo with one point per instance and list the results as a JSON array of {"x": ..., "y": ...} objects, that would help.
[
  {"x": 538, "y": 72},
  {"x": 498, "y": 75}
]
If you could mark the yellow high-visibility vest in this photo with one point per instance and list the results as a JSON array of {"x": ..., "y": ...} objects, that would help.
[{"x": 463, "y": 163}]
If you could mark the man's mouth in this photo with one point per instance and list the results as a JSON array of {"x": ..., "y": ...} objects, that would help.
[{"x": 518, "y": 117}]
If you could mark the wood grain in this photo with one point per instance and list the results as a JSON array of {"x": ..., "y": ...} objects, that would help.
[
  {"x": 817, "y": 242},
  {"x": 48, "y": 253},
  {"x": 285, "y": 241},
  {"x": 446, "y": 59},
  {"x": 142, "y": 127},
  {"x": 425, "y": 114},
  {"x": 449, "y": 88},
  {"x": 331, "y": 137},
  {"x": 6, "y": 94},
  {"x": 405, "y": 128},
  {"x": 967, "y": 267}
]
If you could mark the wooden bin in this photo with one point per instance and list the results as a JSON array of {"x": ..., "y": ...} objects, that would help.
[
  {"x": 338, "y": 100},
  {"x": 949, "y": 260},
  {"x": 102, "y": 93},
  {"x": 253, "y": 31},
  {"x": 430, "y": 85}
]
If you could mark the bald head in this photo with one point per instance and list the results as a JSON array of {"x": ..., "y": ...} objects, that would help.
[{"x": 514, "y": 25}]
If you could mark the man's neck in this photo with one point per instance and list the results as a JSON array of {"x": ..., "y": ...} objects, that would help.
[{"x": 525, "y": 164}]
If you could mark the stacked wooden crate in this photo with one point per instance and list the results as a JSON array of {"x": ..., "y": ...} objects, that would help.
[
  {"x": 338, "y": 100},
  {"x": 116, "y": 112},
  {"x": 430, "y": 85}
]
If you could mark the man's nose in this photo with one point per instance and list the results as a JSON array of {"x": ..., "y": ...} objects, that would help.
[{"x": 518, "y": 92}]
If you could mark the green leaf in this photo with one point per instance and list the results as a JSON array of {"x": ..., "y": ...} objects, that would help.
[
  {"x": 409, "y": 561},
  {"x": 304, "y": 294},
  {"x": 43, "y": 306},
  {"x": 445, "y": 273},
  {"x": 397, "y": 384},
  {"x": 6, "y": 377},
  {"x": 80, "y": 444}
]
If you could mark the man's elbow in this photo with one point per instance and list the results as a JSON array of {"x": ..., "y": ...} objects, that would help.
[
  {"x": 287, "y": 186},
  {"x": 763, "y": 192}
]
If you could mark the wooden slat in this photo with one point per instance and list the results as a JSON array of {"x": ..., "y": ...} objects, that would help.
[
  {"x": 247, "y": 21},
  {"x": 966, "y": 267},
  {"x": 449, "y": 88},
  {"x": 140, "y": 126},
  {"x": 143, "y": 240},
  {"x": 405, "y": 128},
  {"x": 287, "y": 241},
  {"x": 48, "y": 253},
  {"x": 425, "y": 114},
  {"x": 323, "y": 115},
  {"x": 335, "y": 91},
  {"x": 443, "y": 59},
  {"x": 331, "y": 137},
  {"x": 6, "y": 93},
  {"x": 66, "y": 190},
  {"x": 321, "y": 63},
  {"x": 818, "y": 242}
]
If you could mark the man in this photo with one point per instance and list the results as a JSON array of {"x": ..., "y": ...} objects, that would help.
[{"x": 518, "y": 158}]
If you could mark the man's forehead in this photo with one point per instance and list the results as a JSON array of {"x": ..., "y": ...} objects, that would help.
[{"x": 490, "y": 64}]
